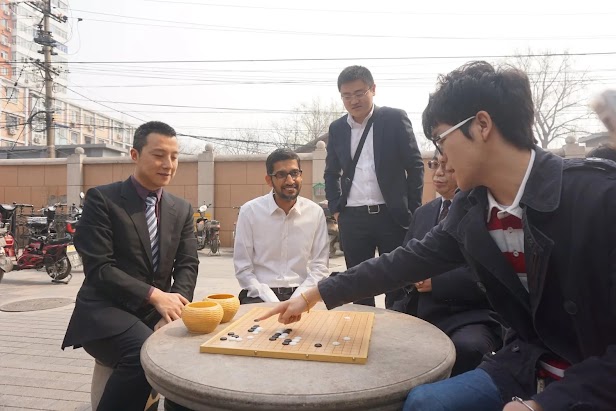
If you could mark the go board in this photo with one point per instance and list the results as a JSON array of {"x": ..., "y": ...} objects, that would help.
[{"x": 330, "y": 336}]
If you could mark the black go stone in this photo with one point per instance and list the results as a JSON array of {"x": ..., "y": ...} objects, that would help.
[
  {"x": 286, "y": 342},
  {"x": 288, "y": 330},
  {"x": 256, "y": 320},
  {"x": 318, "y": 345},
  {"x": 272, "y": 339},
  {"x": 251, "y": 330},
  {"x": 230, "y": 333},
  {"x": 223, "y": 338}
]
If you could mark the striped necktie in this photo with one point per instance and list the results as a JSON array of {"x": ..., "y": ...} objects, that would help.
[
  {"x": 152, "y": 222},
  {"x": 444, "y": 211}
]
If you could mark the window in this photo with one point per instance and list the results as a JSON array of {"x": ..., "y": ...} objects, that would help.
[
  {"x": 89, "y": 140},
  {"x": 11, "y": 121},
  {"x": 4, "y": 71},
  {"x": 12, "y": 94},
  {"x": 74, "y": 138},
  {"x": 4, "y": 55}
]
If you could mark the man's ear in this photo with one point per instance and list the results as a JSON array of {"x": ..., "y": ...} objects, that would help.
[
  {"x": 485, "y": 124},
  {"x": 268, "y": 181},
  {"x": 134, "y": 154}
]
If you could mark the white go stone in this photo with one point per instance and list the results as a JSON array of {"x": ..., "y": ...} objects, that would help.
[
  {"x": 250, "y": 337},
  {"x": 347, "y": 318},
  {"x": 293, "y": 343},
  {"x": 335, "y": 343},
  {"x": 347, "y": 338},
  {"x": 238, "y": 339}
]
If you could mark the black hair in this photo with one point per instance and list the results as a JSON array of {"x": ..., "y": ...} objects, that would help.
[
  {"x": 280, "y": 154},
  {"x": 504, "y": 93},
  {"x": 353, "y": 73},
  {"x": 605, "y": 150},
  {"x": 144, "y": 130}
]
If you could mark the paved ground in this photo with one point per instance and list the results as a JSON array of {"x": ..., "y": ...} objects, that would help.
[{"x": 35, "y": 374}]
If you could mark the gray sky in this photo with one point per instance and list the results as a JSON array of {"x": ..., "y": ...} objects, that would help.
[{"x": 259, "y": 93}]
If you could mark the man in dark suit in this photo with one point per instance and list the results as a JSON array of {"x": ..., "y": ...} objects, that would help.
[
  {"x": 374, "y": 200},
  {"x": 451, "y": 301},
  {"x": 134, "y": 238}
]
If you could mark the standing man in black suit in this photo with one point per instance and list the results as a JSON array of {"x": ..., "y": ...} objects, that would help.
[
  {"x": 372, "y": 196},
  {"x": 452, "y": 301},
  {"x": 134, "y": 238}
]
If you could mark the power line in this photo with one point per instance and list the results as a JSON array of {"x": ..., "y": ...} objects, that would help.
[
  {"x": 209, "y": 27},
  {"x": 106, "y": 106},
  {"x": 602, "y": 53},
  {"x": 373, "y": 12}
]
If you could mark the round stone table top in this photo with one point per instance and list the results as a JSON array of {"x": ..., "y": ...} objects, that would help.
[{"x": 404, "y": 352}]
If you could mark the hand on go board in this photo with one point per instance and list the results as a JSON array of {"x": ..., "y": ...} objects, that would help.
[{"x": 289, "y": 311}]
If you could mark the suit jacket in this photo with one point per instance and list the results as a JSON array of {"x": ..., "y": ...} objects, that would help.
[
  {"x": 113, "y": 241},
  {"x": 456, "y": 299},
  {"x": 398, "y": 164},
  {"x": 569, "y": 224}
]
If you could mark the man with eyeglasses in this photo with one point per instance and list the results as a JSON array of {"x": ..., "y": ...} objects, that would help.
[
  {"x": 540, "y": 233},
  {"x": 452, "y": 301},
  {"x": 281, "y": 244},
  {"x": 373, "y": 173}
]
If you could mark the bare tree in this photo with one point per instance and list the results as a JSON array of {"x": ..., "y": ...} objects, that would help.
[
  {"x": 243, "y": 141},
  {"x": 308, "y": 122},
  {"x": 190, "y": 145},
  {"x": 558, "y": 96}
]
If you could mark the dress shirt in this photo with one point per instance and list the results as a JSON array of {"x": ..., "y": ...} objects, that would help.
[
  {"x": 275, "y": 249},
  {"x": 365, "y": 188}
]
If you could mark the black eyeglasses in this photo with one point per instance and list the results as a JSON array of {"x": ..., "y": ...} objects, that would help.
[
  {"x": 282, "y": 175},
  {"x": 438, "y": 140}
]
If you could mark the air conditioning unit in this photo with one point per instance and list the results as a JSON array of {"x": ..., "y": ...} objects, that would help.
[
  {"x": 36, "y": 140},
  {"x": 72, "y": 124},
  {"x": 4, "y": 42},
  {"x": 8, "y": 29},
  {"x": 12, "y": 130}
]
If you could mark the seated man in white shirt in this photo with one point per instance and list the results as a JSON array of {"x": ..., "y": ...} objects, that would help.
[{"x": 281, "y": 244}]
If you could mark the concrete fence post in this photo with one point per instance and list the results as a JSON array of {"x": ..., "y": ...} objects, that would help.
[
  {"x": 205, "y": 177},
  {"x": 74, "y": 176}
]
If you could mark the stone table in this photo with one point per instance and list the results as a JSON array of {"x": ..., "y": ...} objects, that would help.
[{"x": 404, "y": 352}]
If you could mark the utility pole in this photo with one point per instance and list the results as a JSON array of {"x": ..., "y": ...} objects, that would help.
[
  {"x": 45, "y": 39},
  {"x": 51, "y": 137}
]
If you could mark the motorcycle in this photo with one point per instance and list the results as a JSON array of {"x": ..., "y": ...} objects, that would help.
[
  {"x": 332, "y": 229},
  {"x": 71, "y": 227},
  {"x": 44, "y": 249},
  {"x": 207, "y": 231},
  {"x": 7, "y": 237}
]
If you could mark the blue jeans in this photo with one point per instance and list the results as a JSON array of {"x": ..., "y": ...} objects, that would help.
[{"x": 471, "y": 391}]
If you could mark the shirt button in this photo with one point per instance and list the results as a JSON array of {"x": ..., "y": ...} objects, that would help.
[
  {"x": 516, "y": 254},
  {"x": 510, "y": 230}
]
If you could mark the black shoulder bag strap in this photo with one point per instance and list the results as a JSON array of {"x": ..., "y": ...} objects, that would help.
[{"x": 347, "y": 176}]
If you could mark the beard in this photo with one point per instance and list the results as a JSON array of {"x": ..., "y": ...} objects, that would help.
[{"x": 280, "y": 193}]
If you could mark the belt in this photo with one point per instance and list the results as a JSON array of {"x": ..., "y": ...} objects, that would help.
[
  {"x": 367, "y": 209},
  {"x": 283, "y": 290}
]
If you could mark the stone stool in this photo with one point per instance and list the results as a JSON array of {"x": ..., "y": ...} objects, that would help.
[{"x": 99, "y": 380}]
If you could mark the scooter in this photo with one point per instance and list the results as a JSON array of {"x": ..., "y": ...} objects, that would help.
[
  {"x": 207, "y": 231},
  {"x": 43, "y": 250},
  {"x": 332, "y": 229},
  {"x": 71, "y": 228}
]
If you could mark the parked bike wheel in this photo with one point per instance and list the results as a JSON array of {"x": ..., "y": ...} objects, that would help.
[
  {"x": 59, "y": 270},
  {"x": 1, "y": 274},
  {"x": 215, "y": 245}
]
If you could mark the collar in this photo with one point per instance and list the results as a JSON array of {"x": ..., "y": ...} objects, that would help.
[
  {"x": 514, "y": 209},
  {"x": 272, "y": 207},
  {"x": 354, "y": 124},
  {"x": 144, "y": 192}
]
